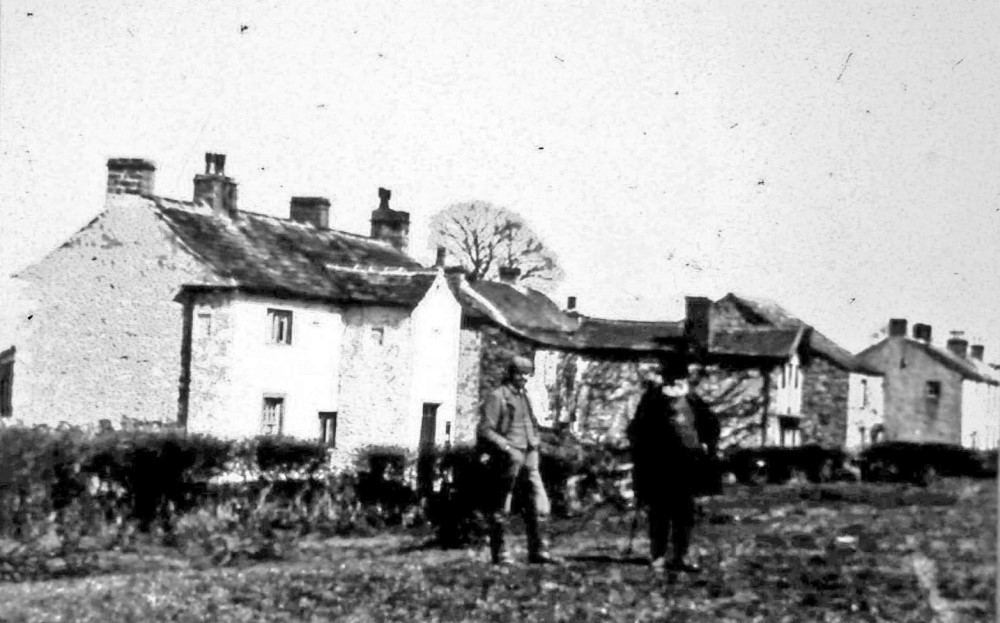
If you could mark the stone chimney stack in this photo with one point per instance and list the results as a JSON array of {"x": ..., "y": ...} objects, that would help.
[
  {"x": 392, "y": 226},
  {"x": 509, "y": 274},
  {"x": 442, "y": 255},
  {"x": 977, "y": 351},
  {"x": 697, "y": 320},
  {"x": 958, "y": 344},
  {"x": 131, "y": 176},
  {"x": 897, "y": 327},
  {"x": 571, "y": 303},
  {"x": 922, "y": 332},
  {"x": 311, "y": 210},
  {"x": 214, "y": 189}
]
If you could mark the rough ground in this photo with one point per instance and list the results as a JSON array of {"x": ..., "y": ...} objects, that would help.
[{"x": 848, "y": 552}]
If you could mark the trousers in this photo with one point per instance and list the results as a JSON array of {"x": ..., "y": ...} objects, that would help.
[{"x": 508, "y": 469}]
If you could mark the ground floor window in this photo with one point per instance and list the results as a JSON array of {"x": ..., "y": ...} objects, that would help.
[
  {"x": 328, "y": 428},
  {"x": 272, "y": 416},
  {"x": 789, "y": 431}
]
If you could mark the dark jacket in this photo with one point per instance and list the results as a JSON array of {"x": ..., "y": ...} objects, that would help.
[
  {"x": 665, "y": 461},
  {"x": 503, "y": 419}
]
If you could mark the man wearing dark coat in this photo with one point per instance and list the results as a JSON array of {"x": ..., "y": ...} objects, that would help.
[
  {"x": 672, "y": 435},
  {"x": 510, "y": 434}
]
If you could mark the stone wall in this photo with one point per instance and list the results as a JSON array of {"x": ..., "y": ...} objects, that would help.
[
  {"x": 825, "y": 389},
  {"x": 908, "y": 415},
  {"x": 104, "y": 336},
  {"x": 375, "y": 377}
]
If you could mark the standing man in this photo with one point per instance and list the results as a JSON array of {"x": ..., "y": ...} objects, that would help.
[
  {"x": 510, "y": 433},
  {"x": 670, "y": 435}
]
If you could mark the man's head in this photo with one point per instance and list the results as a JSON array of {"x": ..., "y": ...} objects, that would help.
[
  {"x": 518, "y": 371},
  {"x": 695, "y": 373},
  {"x": 651, "y": 376}
]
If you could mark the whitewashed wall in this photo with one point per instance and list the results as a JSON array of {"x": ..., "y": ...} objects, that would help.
[
  {"x": 980, "y": 415},
  {"x": 865, "y": 403},
  {"x": 436, "y": 329},
  {"x": 234, "y": 365}
]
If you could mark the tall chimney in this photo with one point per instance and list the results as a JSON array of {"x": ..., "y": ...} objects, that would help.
[
  {"x": 392, "y": 226},
  {"x": 897, "y": 327},
  {"x": 697, "y": 320},
  {"x": 976, "y": 351},
  {"x": 311, "y": 210},
  {"x": 509, "y": 274},
  {"x": 214, "y": 189},
  {"x": 958, "y": 344},
  {"x": 571, "y": 303},
  {"x": 922, "y": 332},
  {"x": 131, "y": 176},
  {"x": 442, "y": 255}
]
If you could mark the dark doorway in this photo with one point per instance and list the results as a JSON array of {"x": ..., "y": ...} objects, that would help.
[{"x": 425, "y": 451}]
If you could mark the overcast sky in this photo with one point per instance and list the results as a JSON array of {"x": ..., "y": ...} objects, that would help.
[{"x": 841, "y": 158}]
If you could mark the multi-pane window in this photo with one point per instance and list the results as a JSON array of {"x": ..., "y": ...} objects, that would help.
[
  {"x": 272, "y": 416},
  {"x": 279, "y": 326},
  {"x": 328, "y": 428},
  {"x": 6, "y": 389}
]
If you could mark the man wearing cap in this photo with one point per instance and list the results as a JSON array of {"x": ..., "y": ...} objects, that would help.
[
  {"x": 510, "y": 434},
  {"x": 671, "y": 434}
]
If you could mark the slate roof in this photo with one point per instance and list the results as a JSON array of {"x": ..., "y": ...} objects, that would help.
[
  {"x": 968, "y": 368},
  {"x": 778, "y": 337},
  {"x": 275, "y": 256},
  {"x": 532, "y": 315}
]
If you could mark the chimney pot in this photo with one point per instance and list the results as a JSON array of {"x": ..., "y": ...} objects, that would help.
[
  {"x": 922, "y": 332},
  {"x": 392, "y": 226},
  {"x": 133, "y": 176},
  {"x": 509, "y": 274},
  {"x": 311, "y": 210},
  {"x": 958, "y": 345},
  {"x": 214, "y": 188},
  {"x": 897, "y": 327},
  {"x": 976, "y": 351},
  {"x": 697, "y": 320}
]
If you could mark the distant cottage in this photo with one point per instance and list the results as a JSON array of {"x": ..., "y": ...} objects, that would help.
[{"x": 936, "y": 394}]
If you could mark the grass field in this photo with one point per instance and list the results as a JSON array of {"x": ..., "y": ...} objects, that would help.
[{"x": 846, "y": 552}]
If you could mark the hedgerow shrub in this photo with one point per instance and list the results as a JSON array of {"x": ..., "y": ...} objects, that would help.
[{"x": 778, "y": 464}]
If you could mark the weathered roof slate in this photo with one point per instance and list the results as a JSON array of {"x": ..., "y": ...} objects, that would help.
[
  {"x": 533, "y": 316},
  {"x": 270, "y": 255},
  {"x": 767, "y": 342}
]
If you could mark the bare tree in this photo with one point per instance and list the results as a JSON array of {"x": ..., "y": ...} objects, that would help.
[{"x": 483, "y": 237}]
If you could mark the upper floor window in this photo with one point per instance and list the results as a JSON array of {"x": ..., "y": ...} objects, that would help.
[
  {"x": 932, "y": 397},
  {"x": 272, "y": 417},
  {"x": 933, "y": 390},
  {"x": 279, "y": 326},
  {"x": 865, "y": 399}
]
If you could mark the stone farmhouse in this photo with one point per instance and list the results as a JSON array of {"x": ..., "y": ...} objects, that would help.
[
  {"x": 933, "y": 393},
  {"x": 219, "y": 320},
  {"x": 224, "y": 321},
  {"x": 812, "y": 389}
]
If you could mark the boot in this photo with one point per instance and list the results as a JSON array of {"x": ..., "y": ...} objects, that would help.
[
  {"x": 498, "y": 547},
  {"x": 538, "y": 547}
]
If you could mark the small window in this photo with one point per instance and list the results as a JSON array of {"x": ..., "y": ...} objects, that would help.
[
  {"x": 328, "y": 428},
  {"x": 789, "y": 431},
  {"x": 378, "y": 335},
  {"x": 933, "y": 390},
  {"x": 273, "y": 416},
  {"x": 6, "y": 389},
  {"x": 205, "y": 325},
  {"x": 864, "y": 393},
  {"x": 279, "y": 326}
]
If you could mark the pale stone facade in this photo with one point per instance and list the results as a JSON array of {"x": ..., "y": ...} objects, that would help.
[{"x": 102, "y": 335}]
